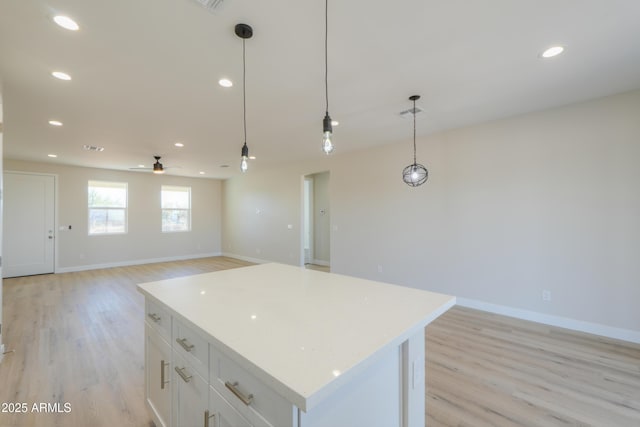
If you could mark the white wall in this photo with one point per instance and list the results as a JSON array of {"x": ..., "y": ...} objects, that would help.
[
  {"x": 257, "y": 210},
  {"x": 548, "y": 200},
  {"x": 144, "y": 240}
]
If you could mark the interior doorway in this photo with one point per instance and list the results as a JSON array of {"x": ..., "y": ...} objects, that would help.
[{"x": 316, "y": 221}]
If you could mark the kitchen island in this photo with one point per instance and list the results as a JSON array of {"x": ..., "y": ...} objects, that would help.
[{"x": 275, "y": 345}]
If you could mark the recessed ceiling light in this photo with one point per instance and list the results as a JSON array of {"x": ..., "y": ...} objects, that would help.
[
  {"x": 252, "y": 157},
  {"x": 334, "y": 123},
  {"x": 55, "y": 123},
  {"x": 52, "y": 155},
  {"x": 201, "y": 172},
  {"x": 60, "y": 75},
  {"x": 552, "y": 51},
  {"x": 141, "y": 166},
  {"x": 66, "y": 22},
  {"x": 225, "y": 82},
  {"x": 179, "y": 144}
]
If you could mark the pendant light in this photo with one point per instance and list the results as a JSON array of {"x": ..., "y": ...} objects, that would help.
[
  {"x": 244, "y": 31},
  {"x": 415, "y": 174},
  {"x": 327, "y": 128}
]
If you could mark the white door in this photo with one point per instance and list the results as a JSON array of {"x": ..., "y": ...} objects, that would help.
[{"x": 28, "y": 237}]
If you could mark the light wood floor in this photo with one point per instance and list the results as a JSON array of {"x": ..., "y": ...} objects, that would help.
[
  {"x": 78, "y": 338},
  {"x": 490, "y": 370}
]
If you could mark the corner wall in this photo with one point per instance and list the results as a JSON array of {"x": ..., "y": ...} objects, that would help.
[{"x": 543, "y": 201}]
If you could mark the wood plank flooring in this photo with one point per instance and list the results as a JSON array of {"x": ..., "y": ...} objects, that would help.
[
  {"x": 79, "y": 339},
  {"x": 490, "y": 370}
]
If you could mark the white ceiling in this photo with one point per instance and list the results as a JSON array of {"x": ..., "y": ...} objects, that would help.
[{"x": 145, "y": 73}]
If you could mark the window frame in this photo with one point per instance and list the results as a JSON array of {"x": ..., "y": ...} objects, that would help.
[
  {"x": 125, "y": 209},
  {"x": 175, "y": 188}
]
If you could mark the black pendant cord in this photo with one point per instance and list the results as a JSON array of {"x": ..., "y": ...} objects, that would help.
[
  {"x": 326, "y": 56},
  {"x": 414, "y": 132},
  {"x": 244, "y": 91}
]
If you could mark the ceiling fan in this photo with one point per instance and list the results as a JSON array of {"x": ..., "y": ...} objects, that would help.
[{"x": 157, "y": 166}]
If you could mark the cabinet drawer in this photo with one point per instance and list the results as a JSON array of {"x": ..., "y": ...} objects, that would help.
[
  {"x": 250, "y": 396},
  {"x": 159, "y": 319},
  {"x": 223, "y": 414},
  {"x": 192, "y": 347}
]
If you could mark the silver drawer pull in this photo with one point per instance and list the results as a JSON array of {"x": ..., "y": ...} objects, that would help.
[
  {"x": 163, "y": 365},
  {"x": 184, "y": 376},
  {"x": 154, "y": 317},
  {"x": 207, "y": 416},
  {"x": 233, "y": 387},
  {"x": 185, "y": 344}
]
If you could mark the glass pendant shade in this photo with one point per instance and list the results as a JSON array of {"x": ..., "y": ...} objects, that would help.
[
  {"x": 245, "y": 157},
  {"x": 415, "y": 175},
  {"x": 327, "y": 136}
]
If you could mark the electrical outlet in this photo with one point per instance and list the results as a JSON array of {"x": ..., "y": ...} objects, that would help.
[
  {"x": 546, "y": 295},
  {"x": 379, "y": 269}
]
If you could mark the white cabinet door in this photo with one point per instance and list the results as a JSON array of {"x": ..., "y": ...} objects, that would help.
[
  {"x": 191, "y": 394},
  {"x": 158, "y": 373},
  {"x": 222, "y": 414}
]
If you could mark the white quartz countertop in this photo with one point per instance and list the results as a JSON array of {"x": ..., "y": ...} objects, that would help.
[{"x": 303, "y": 332}]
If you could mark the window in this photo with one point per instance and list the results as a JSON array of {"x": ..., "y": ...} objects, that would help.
[
  {"x": 107, "y": 207},
  {"x": 176, "y": 208}
]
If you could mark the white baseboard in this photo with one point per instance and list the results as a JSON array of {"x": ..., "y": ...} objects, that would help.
[
  {"x": 559, "y": 321},
  {"x": 320, "y": 262},
  {"x": 134, "y": 262}
]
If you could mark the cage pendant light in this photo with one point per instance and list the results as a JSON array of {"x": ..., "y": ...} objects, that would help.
[
  {"x": 327, "y": 128},
  {"x": 415, "y": 174},
  {"x": 244, "y": 31}
]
